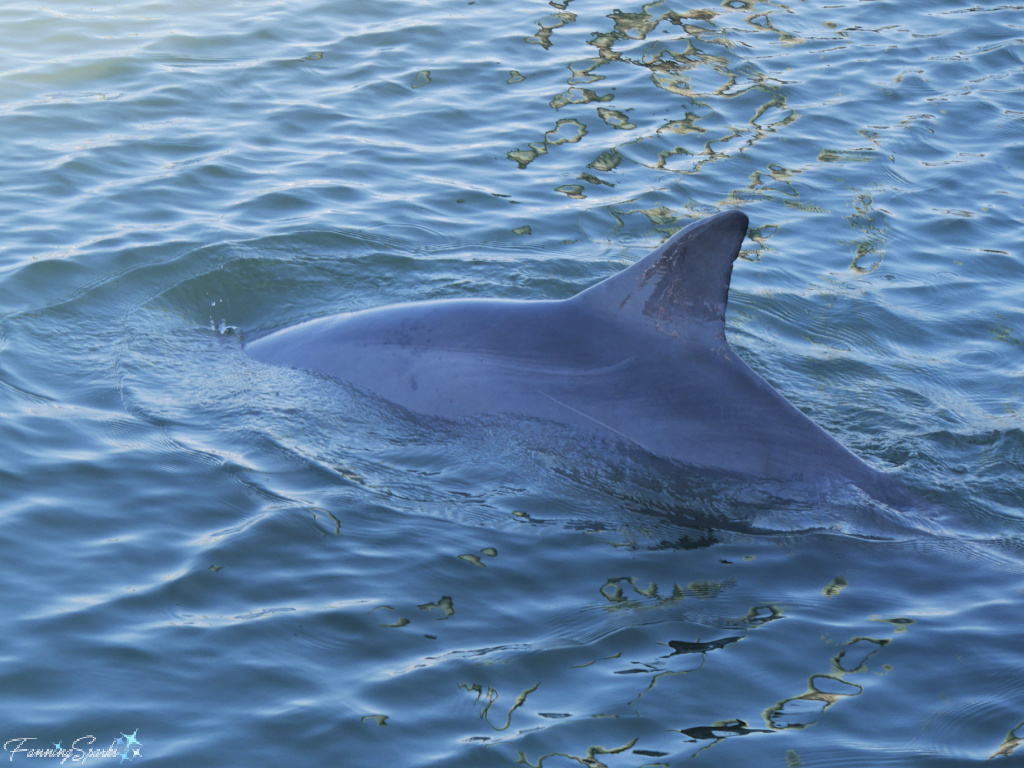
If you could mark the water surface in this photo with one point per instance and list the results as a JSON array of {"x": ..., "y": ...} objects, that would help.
[{"x": 241, "y": 564}]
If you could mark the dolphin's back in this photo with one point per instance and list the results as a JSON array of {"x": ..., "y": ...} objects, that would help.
[{"x": 642, "y": 356}]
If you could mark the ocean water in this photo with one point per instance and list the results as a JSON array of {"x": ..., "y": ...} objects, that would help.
[{"x": 235, "y": 564}]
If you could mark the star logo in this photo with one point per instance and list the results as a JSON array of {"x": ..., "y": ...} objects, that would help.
[{"x": 129, "y": 741}]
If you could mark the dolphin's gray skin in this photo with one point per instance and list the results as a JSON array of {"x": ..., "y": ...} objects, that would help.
[{"x": 641, "y": 356}]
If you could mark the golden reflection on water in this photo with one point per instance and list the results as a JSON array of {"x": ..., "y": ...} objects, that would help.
[
  {"x": 728, "y": 105},
  {"x": 693, "y": 61}
]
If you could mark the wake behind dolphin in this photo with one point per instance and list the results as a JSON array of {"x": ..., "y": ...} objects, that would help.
[{"x": 641, "y": 356}]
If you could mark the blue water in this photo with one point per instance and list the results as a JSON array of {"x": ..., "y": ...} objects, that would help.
[{"x": 244, "y": 565}]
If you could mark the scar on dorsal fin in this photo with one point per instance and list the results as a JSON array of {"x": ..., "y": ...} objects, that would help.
[{"x": 683, "y": 285}]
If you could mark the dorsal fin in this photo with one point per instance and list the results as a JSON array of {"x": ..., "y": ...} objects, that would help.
[{"x": 683, "y": 286}]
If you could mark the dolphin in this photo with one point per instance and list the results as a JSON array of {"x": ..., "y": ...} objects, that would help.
[{"x": 641, "y": 357}]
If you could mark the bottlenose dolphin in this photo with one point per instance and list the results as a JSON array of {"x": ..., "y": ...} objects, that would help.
[{"x": 641, "y": 356}]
